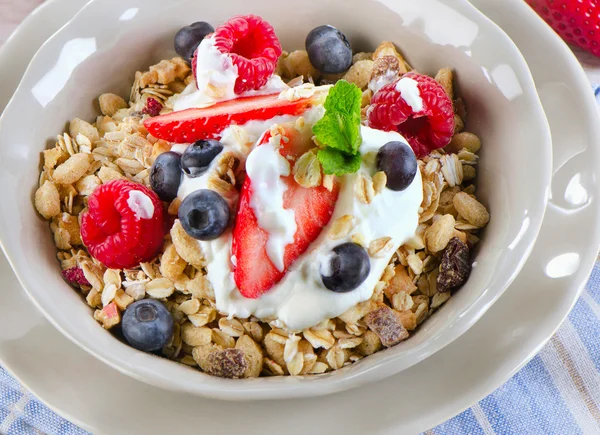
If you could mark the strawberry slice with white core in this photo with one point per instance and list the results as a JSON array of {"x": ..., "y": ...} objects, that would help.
[
  {"x": 264, "y": 256},
  {"x": 188, "y": 126}
]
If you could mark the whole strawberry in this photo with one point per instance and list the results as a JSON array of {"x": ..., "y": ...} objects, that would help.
[{"x": 576, "y": 21}]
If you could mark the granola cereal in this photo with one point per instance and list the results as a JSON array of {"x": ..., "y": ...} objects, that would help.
[{"x": 318, "y": 192}]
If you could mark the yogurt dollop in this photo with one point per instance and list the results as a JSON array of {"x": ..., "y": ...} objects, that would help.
[{"x": 300, "y": 299}]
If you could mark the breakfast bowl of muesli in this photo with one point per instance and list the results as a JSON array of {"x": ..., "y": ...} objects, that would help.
[{"x": 253, "y": 203}]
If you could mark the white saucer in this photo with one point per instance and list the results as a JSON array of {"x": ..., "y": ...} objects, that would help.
[{"x": 102, "y": 400}]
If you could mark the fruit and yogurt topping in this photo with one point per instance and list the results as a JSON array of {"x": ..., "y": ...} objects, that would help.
[{"x": 255, "y": 211}]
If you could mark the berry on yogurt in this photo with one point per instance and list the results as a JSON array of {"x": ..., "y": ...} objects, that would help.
[
  {"x": 124, "y": 224},
  {"x": 329, "y": 50},
  {"x": 147, "y": 325},
  {"x": 165, "y": 175},
  {"x": 417, "y": 107},
  {"x": 196, "y": 158},
  {"x": 204, "y": 214},
  {"x": 346, "y": 268},
  {"x": 399, "y": 163},
  {"x": 189, "y": 37}
]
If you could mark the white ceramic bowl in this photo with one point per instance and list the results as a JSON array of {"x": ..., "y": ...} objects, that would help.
[{"x": 101, "y": 48}]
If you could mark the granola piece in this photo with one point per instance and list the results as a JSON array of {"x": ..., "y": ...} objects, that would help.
[
  {"x": 160, "y": 288},
  {"x": 357, "y": 312},
  {"x": 455, "y": 267},
  {"x": 401, "y": 282},
  {"x": 294, "y": 360},
  {"x": 464, "y": 140},
  {"x": 47, "y": 200},
  {"x": 203, "y": 317},
  {"x": 73, "y": 169},
  {"x": 402, "y": 301},
  {"x": 94, "y": 299},
  {"x": 307, "y": 170},
  {"x": 336, "y": 357},
  {"x": 380, "y": 247},
  {"x": 111, "y": 103},
  {"x": 79, "y": 126},
  {"x": 108, "y": 316},
  {"x": 459, "y": 124},
  {"x": 379, "y": 182},
  {"x": 122, "y": 299},
  {"x": 319, "y": 338},
  {"x": 452, "y": 169},
  {"x": 253, "y": 355},
  {"x": 224, "y": 363},
  {"x": 200, "y": 287},
  {"x": 62, "y": 239},
  {"x": 274, "y": 347},
  {"x": 445, "y": 77},
  {"x": 272, "y": 367},
  {"x": 187, "y": 247},
  {"x": 189, "y": 307},
  {"x": 70, "y": 224},
  {"x": 387, "y": 48},
  {"x": 164, "y": 72},
  {"x": 222, "y": 339},
  {"x": 54, "y": 156},
  {"x": 469, "y": 172},
  {"x": 386, "y": 69},
  {"x": 363, "y": 189},
  {"x": 86, "y": 185},
  {"x": 341, "y": 227},
  {"x": 408, "y": 319},
  {"x": 439, "y": 233},
  {"x": 362, "y": 56},
  {"x": 388, "y": 327},
  {"x": 195, "y": 336},
  {"x": 365, "y": 101},
  {"x": 360, "y": 73},
  {"x": 471, "y": 209},
  {"x": 171, "y": 264},
  {"x": 439, "y": 299},
  {"x": 231, "y": 327},
  {"x": 297, "y": 64}
]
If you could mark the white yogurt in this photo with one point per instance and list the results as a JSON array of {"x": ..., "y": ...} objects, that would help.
[
  {"x": 300, "y": 299},
  {"x": 409, "y": 90},
  {"x": 216, "y": 75},
  {"x": 265, "y": 166},
  {"x": 140, "y": 204}
]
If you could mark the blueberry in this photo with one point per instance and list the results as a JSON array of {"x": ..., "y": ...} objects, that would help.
[
  {"x": 204, "y": 214},
  {"x": 165, "y": 175},
  {"x": 347, "y": 267},
  {"x": 189, "y": 37},
  {"x": 399, "y": 163},
  {"x": 197, "y": 157},
  {"x": 147, "y": 325},
  {"x": 329, "y": 50}
]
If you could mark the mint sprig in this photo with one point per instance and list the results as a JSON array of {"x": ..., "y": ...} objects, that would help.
[{"x": 339, "y": 130}]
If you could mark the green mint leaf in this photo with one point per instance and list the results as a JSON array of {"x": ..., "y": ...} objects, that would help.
[
  {"x": 338, "y": 162},
  {"x": 340, "y": 126}
]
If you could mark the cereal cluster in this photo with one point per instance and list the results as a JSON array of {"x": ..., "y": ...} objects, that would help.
[{"x": 418, "y": 280}]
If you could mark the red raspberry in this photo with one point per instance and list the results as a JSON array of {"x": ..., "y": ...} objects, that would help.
[
  {"x": 153, "y": 107},
  {"x": 253, "y": 46},
  {"x": 75, "y": 276},
  {"x": 124, "y": 225},
  {"x": 425, "y": 130}
]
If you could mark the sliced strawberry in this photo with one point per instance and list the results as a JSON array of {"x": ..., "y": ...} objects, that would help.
[
  {"x": 187, "y": 126},
  {"x": 254, "y": 272}
]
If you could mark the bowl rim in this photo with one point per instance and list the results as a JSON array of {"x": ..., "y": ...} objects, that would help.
[{"x": 274, "y": 388}]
